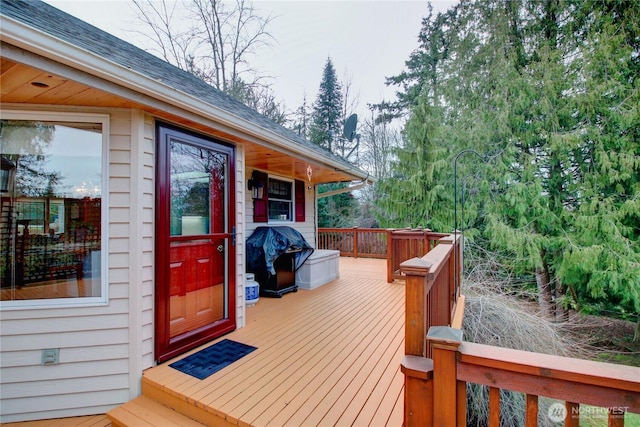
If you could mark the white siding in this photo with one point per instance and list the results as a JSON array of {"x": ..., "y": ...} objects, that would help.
[
  {"x": 241, "y": 236},
  {"x": 103, "y": 349},
  {"x": 141, "y": 256}
]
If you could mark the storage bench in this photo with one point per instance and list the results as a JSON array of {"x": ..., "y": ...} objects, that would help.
[{"x": 323, "y": 266}]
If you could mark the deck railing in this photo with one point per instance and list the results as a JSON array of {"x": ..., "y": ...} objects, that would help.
[
  {"x": 439, "y": 360},
  {"x": 396, "y": 245},
  {"x": 406, "y": 244},
  {"x": 432, "y": 293},
  {"x": 608, "y": 388},
  {"x": 355, "y": 242}
]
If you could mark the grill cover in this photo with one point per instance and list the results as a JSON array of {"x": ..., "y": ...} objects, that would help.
[{"x": 266, "y": 244}]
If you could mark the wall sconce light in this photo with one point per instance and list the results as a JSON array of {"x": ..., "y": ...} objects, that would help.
[
  {"x": 256, "y": 186},
  {"x": 6, "y": 173}
]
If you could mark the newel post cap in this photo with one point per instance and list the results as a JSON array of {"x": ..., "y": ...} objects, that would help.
[
  {"x": 415, "y": 267},
  {"x": 447, "y": 240},
  {"x": 445, "y": 337}
]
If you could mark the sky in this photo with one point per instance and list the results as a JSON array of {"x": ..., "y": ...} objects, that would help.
[{"x": 367, "y": 41}]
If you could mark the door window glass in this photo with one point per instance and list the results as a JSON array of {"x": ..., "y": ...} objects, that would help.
[{"x": 197, "y": 189}]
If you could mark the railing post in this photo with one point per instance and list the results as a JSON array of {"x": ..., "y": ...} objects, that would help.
[
  {"x": 355, "y": 242},
  {"x": 573, "y": 414},
  {"x": 458, "y": 241},
  {"x": 415, "y": 327},
  {"x": 389, "y": 255},
  {"x": 453, "y": 287},
  {"x": 418, "y": 391},
  {"x": 444, "y": 342},
  {"x": 426, "y": 243}
]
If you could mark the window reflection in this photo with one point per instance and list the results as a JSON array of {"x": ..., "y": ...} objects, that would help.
[
  {"x": 50, "y": 227},
  {"x": 280, "y": 200},
  {"x": 197, "y": 190}
]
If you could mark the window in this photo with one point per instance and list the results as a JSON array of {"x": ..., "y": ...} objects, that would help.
[
  {"x": 283, "y": 200},
  {"x": 280, "y": 200},
  {"x": 51, "y": 224}
]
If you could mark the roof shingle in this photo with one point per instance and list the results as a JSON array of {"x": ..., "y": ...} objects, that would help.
[{"x": 50, "y": 20}]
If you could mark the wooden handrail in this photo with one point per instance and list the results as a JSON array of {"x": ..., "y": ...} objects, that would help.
[
  {"x": 574, "y": 380},
  {"x": 558, "y": 367},
  {"x": 432, "y": 293},
  {"x": 440, "y": 360},
  {"x": 405, "y": 244},
  {"x": 455, "y": 363}
]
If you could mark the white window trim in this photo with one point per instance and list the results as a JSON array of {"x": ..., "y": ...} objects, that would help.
[
  {"x": 103, "y": 299},
  {"x": 293, "y": 200}
]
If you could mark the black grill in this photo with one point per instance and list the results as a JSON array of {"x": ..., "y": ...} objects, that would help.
[{"x": 273, "y": 255}]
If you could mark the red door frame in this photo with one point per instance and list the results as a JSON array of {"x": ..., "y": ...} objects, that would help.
[{"x": 165, "y": 346}]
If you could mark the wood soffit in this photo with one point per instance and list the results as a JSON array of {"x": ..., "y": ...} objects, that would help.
[{"x": 24, "y": 84}]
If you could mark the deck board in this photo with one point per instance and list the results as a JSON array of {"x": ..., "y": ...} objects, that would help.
[
  {"x": 339, "y": 356},
  {"x": 351, "y": 380},
  {"x": 329, "y": 356}
]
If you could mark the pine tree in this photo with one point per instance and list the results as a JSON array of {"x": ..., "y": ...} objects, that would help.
[
  {"x": 326, "y": 118},
  {"x": 326, "y": 126},
  {"x": 602, "y": 260},
  {"x": 412, "y": 196},
  {"x": 551, "y": 91}
]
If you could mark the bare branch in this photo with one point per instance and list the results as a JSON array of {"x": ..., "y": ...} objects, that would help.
[{"x": 213, "y": 39}]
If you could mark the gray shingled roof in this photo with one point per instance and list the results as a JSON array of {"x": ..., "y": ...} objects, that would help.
[{"x": 48, "y": 19}]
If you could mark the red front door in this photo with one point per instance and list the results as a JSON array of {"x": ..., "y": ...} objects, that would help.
[{"x": 195, "y": 235}]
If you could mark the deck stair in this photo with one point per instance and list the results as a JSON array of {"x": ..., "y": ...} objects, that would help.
[{"x": 144, "y": 411}]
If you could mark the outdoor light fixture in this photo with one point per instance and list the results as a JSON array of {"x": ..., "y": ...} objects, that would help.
[
  {"x": 256, "y": 186},
  {"x": 5, "y": 174}
]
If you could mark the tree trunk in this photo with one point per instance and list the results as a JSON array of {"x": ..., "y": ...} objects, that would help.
[
  {"x": 561, "y": 313},
  {"x": 636, "y": 335},
  {"x": 544, "y": 291}
]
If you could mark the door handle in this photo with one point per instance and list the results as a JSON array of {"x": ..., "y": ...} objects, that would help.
[{"x": 220, "y": 248}]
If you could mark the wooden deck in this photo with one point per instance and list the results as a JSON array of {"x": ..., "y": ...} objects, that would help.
[{"x": 328, "y": 357}]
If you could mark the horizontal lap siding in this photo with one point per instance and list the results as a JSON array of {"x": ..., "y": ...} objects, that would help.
[
  {"x": 93, "y": 373},
  {"x": 146, "y": 232},
  {"x": 308, "y": 227},
  {"x": 241, "y": 216}
]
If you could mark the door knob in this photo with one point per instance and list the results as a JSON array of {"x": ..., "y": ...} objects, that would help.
[{"x": 220, "y": 248}]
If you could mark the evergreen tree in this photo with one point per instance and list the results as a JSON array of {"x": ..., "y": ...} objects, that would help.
[
  {"x": 601, "y": 261},
  {"x": 411, "y": 196},
  {"x": 326, "y": 126},
  {"x": 337, "y": 211},
  {"x": 550, "y": 90},
  {"x": 326, "y": 118}
]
